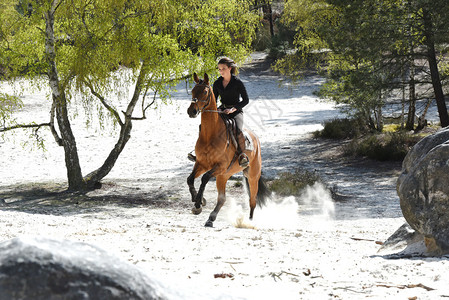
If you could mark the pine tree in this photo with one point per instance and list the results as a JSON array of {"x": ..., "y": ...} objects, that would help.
[{"x": 367, "y": 48}]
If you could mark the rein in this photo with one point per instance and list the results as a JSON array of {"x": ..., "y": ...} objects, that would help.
[{"x": 214, "y": 111}]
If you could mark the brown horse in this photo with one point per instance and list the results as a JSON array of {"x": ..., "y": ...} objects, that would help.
[{"x": 216, "y": 155}]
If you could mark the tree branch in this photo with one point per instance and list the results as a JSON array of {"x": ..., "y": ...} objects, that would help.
[
  {"x": 24, "y": 126},
  {"x": 56, "y": 5},
  {"x": 52, "y": 125},
  {"x": 104, "y": 102},
  {"x": 144, "y": 108}
]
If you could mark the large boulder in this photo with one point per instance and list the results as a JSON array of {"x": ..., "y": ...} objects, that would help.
[
  {"x": 423, "y": 189},
  {"x": 41, "y": 268}
]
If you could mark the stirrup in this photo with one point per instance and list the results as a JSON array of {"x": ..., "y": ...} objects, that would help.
[
  {"x": 243, "y": 160},
  {"x": 191, "y": 157}
]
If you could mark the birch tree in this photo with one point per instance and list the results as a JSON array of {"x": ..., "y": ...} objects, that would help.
[{"x": 80, "y": 45}]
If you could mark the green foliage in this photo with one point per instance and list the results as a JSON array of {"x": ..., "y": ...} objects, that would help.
[
  {"x": 383, "y": 147},
  {"x": 262, "y": 40},
  {"x": 288, "y": 183},
  {"x": 280, "y": 43},
  {"x": 365, "y": 47},
  {"x": 391, "y": 144},
  {"x": 279, "y": 47},
  {"x": 8, "y": 104},
  {"x": 308, "y": 17},
  {"x": 97, "y": 38},
  {"x": 341, "y": 129}
]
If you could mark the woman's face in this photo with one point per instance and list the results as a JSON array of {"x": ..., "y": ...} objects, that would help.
[{"x": 224, "y": 70}]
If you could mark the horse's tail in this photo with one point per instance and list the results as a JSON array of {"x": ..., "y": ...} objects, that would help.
[{"x": 263, "y": 192}]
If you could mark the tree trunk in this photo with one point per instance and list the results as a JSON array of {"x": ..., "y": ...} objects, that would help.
[
  {"x": 94, "y": 178},
  {"x": 403, "y": 108},
  {"x": 379, "y": 119},
  {"x": 422, "y": 122},
  {"x": 433, "y": 65},
  {"x": 404, "y": 76},
  {"x": 269, "y": 16},
  {"x": 412, "y": 100},
  {"x": 75, "y": 178}
]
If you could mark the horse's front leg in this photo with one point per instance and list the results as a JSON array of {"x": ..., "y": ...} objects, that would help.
[
  {"x": 197, "y": 171},
  {"x": 199, "y": 196},
  {"x": 221, "y": 188}
]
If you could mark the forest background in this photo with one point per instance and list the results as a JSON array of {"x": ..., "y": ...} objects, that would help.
[{"x": 372, "y": 54}]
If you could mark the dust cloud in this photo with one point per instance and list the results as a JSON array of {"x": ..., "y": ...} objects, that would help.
[{"x": 284, "y": 212}]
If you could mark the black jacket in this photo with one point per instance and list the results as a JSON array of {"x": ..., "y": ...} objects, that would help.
[{"x": 230, "y": 96}]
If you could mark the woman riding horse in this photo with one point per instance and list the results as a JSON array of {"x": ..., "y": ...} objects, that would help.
[
  {"x": 216, "y": 156},
  {"x": 230, "y": 88}
]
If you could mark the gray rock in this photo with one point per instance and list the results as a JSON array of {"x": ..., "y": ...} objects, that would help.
[
  {"x": 41, "y": 268},
  {"x": 402, "y": 237},
  {"x": 423, "y": 189},
  {"x": 405, "y": 242}
]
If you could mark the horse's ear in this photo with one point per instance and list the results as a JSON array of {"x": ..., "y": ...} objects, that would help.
[
  {"x": 206, "y": 78},
  {"x": 195, "y": 78}
]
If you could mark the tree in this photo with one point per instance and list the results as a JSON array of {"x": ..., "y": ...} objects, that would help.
[
  {"x": 267, "y": 12},
  {"x": 88, "y": 47},
  {"x": 336, "y": 39},
  {"x": 366, "y": 47},
  {"x": 433, "y": 16}
]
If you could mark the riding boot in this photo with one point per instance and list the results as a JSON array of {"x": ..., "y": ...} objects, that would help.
[
  {"x": 191, "y": 157},
  {"x": 243, "y": 158}
]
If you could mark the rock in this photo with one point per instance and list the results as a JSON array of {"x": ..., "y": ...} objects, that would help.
[
  {"x": 407, "y": 241},
  {"x": 402, "y": 237},
  {"x": 423, "y": 189},
  {"x": 41, "y": 268}
]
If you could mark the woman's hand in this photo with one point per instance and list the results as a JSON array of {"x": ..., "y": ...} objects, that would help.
[{"x": 229, "y": 110}]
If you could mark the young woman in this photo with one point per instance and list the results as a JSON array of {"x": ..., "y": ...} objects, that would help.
[{"x": 233, "y": 98}]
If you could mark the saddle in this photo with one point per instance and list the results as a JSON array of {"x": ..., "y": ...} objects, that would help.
[{"x": 232, "y": 133}]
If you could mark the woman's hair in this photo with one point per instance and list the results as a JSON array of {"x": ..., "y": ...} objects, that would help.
[{"x": 230, "y": 63}]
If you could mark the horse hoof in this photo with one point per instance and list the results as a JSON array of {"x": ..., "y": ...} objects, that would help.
[
  {"x": 204, "y": 202},
  {"x": 197, "y": 211},
  {"x": 209, "y": 223}
]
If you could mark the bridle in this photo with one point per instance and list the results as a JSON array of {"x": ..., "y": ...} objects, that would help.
[{"x": 207, "y": 101}]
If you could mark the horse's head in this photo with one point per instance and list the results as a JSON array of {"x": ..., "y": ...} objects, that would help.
[{"x": 201, "y": 96}]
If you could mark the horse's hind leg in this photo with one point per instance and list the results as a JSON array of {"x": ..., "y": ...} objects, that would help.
[
  {"x": 252, "y": 176},
  {"x": 221, "y": 188}
]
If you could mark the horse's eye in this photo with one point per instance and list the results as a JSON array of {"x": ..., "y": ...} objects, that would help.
[{"x": 205, "y": 92}]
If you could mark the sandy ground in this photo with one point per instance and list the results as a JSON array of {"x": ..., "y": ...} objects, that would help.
[{"x": 308, "y": 247}]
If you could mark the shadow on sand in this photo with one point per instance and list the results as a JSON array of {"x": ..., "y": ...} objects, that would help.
[{"x": 53, "y": 198}]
